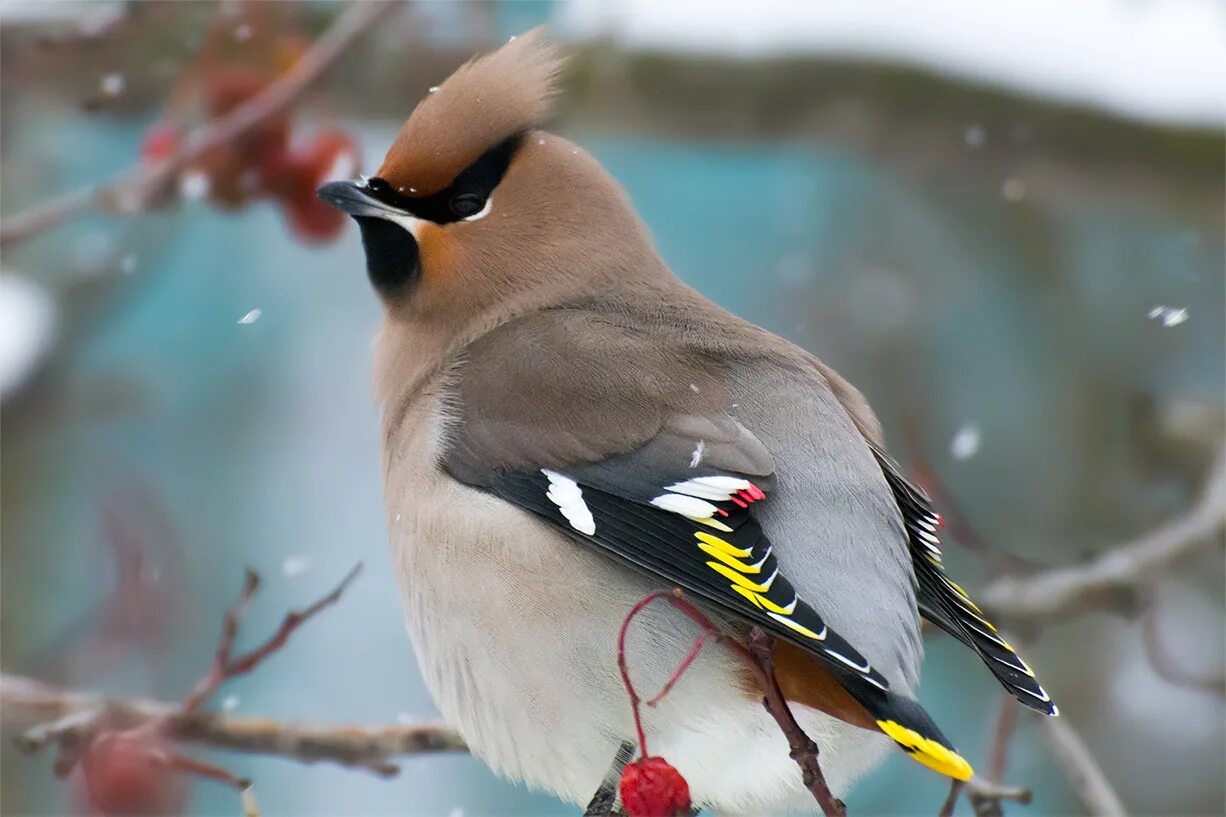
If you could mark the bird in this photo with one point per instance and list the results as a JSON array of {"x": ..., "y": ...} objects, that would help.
[{"x": 568, "y": 427}]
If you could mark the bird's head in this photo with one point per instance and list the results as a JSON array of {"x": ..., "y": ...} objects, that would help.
[{"x": 476, "y": 210}]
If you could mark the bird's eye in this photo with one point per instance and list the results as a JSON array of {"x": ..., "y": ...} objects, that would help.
[{"x": 466, "y": 204}]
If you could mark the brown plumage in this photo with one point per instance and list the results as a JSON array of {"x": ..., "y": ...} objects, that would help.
[
  {"x": 567, "y": 426},
  {"x": 485, "y": 101}
]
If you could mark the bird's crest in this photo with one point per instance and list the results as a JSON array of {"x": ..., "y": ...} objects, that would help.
[{"x": 486, "y": 100}]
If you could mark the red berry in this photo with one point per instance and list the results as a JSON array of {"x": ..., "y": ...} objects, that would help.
[
  {"x": 651, "y": 787},
  {"x": 161, "y": 141},
  {"x": 121, "y": 776}
]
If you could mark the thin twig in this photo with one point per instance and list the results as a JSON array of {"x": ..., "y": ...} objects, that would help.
[
  {"x": 1082, "y": 769},
  {"x": 1051, "y": 594},
  {"x": 758, "y": 657},
  {"x": 26, "y": 704},
  {"x": 226, "y": 667},
  {"x": 131, "y": 189},
  {"x": 803, "y": 749},
  {"x": 1002, "y": 733}
]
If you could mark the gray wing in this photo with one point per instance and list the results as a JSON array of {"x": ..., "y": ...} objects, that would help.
[
  {"x": 738, "y": 478},
  {"x": 650, "y": 447}
]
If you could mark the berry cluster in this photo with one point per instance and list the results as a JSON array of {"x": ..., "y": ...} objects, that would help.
[{"x": 262, "y": 163}]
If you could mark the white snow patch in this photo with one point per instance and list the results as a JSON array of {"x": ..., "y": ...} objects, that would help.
[
  {"x": 27, "y": 321},
  {"x": 1148, "y": 60}
]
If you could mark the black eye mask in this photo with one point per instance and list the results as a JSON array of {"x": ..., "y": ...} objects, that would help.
[{"x": 466, "y": 196}]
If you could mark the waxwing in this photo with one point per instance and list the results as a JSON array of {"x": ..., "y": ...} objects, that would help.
[{"x": 568, "y": 427}]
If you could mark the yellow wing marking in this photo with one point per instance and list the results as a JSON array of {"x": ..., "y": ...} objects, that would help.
[
  {"x": 722, "y": 545},
  {"x": 928, "y": 752},
  {"x": 737, "y": 579}
]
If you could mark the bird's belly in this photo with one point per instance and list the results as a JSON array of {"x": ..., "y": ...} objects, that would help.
[{"x": 515, "y": 630}]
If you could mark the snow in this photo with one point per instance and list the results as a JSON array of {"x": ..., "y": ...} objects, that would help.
[
  {"x": 113, "y": 84},
  {"x": 27, "y": 321},
  {"x": 194, "y": 185},
  {"x": 974, "y": 136},
  {"x": 965, "y": 443},
  {"x": 295, "y": 566},
  {"x": 1170, "y": 316},
  {"x": 1148, "y": 60},
  {"x": 251, "y": 317}
]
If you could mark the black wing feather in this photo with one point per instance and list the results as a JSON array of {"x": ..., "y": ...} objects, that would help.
[
  {"x": 671, "y": 546},
  {"x": 947, "y": 605}
]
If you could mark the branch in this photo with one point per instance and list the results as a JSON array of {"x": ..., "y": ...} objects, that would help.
[
  {"x": 1164, "y": 662},
  {"x": 52, "y": 714},
  {"x": 131, "y": 189},
  {"x": 1046, "y": 595},
  {"x": 1082, "y": 769},
  {"x": 758, "y": 657}
]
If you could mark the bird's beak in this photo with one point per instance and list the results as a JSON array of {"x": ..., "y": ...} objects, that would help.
[{"x": 353, "y": 198}]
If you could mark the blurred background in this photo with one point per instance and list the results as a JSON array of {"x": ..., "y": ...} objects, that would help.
[{"x": 1003, "y": 222}]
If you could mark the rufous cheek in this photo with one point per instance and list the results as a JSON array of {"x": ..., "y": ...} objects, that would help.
[{"x": 437, "y": 250}]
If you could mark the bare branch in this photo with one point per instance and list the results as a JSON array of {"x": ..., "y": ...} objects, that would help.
[
  {"x": 1168, "y": 667},
  {"x": 132, "y": 189},
  {"x": 225, "y": 666},
  {"x": 1051, "y": 593},
  {"x": 52, "y": 714},
  {"x": 1082, "y": 769}
]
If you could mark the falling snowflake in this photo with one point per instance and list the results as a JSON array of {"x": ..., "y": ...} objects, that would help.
[
  {"x": 1014, "y": 190},
  {"x": 251, "y": 317},
  {"x": 974, "y": 136},
  {"x": 243, "y": 32},
  {"x": 127, "y": 264},
  {"x": 295, "y": 566},
  {"x": 194, "y": 185},
  {"x": 696, "y": 458},
  {"x": 113, "y": 84},
  {"x": 1168, "y": 315},
  {"x": 965, "y": 442},
  {"x": 434, "y": 89},
  {"x": 230, "y": 703}
]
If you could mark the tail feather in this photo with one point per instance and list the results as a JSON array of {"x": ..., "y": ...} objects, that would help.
[{"x": 913, "y": 729}]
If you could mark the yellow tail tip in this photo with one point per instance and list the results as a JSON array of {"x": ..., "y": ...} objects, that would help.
[{"x": 923, "y": 750}]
